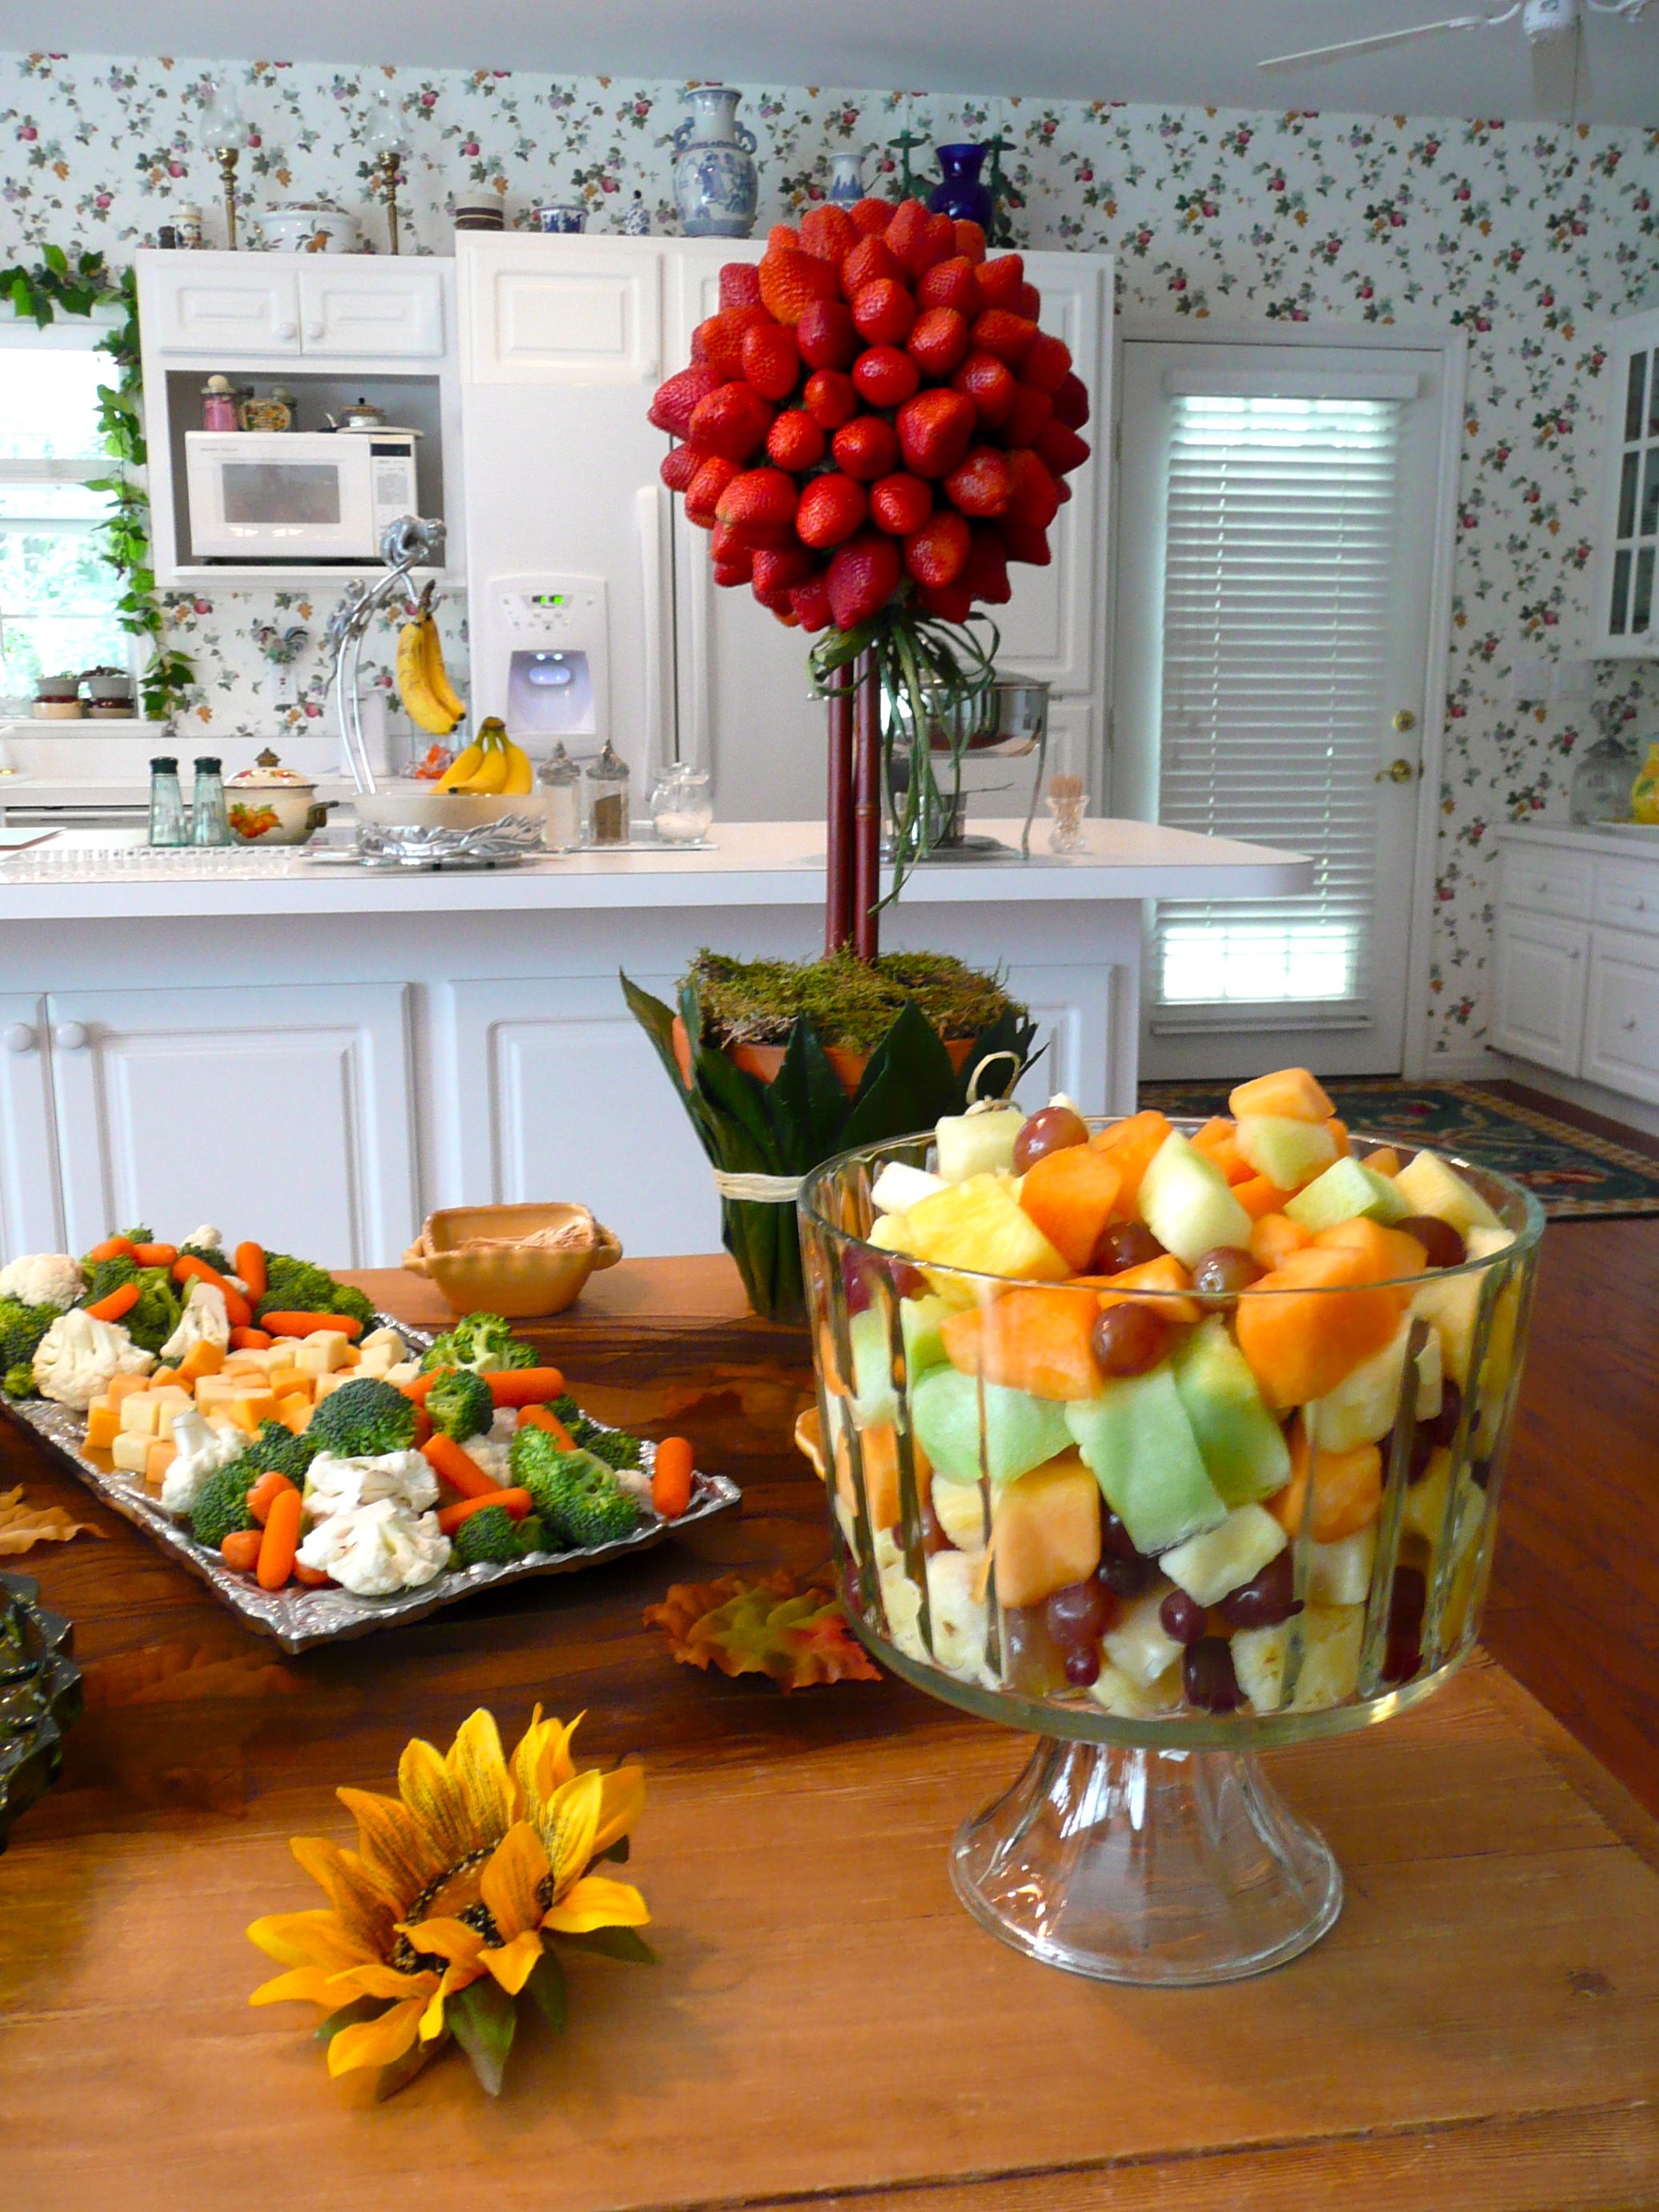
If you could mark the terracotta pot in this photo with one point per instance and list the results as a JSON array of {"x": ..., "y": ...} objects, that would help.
[{"x": 762, "y": 1062}]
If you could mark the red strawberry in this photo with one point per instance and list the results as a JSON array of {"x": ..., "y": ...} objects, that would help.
[
  {"x": 934, "y": 429},
  {"x": 675, "y": 399},
  {"x": 900, "y": 503},
  {"x": 990, "y": 384},
  {"x": 866, "y": 447},
  {"x": 872, "y": 216},
  {"x": 784, "y": 566},
  {"x": 1072, "y": 402},
  {"x": 983, "y": 484},
  {"x": 886, "y": 377},
  {"x": 864, "y": 574},
  {"x": 951, "y": 283},
  {"x": 1024, "y": 543},
  {"x": 830, "y": 399},
  {"x": 719, "y": 341},
  {"x": 951, "y": 603},
  {"x": 970, "y": 239},
  {"x": 733, "y": 421},
  {"x": 920, "y": 239},
  {"x": 795, "y": 441},
  {"x": 828, "y": 232},
  {"x": 1000, "y": 280},
  {"x": 740, "y": 284},
  {"x": 1028, "y": 418},
  {"x": 727, "y": 545},
  {"x": 1009, "y": 338},
  {"x": 736, "y": 571},
  {"x": 939, "y": 343},
  {"x": 872, "y": 261},
  {"x": 680, "y": 466},
  {"x": 703, "y": 493},
  {"x": 1034, "y": 498},
  {"x": 826, "y": 337},
  {"x": 831, "y": 508},
  {"x": 1061, "y": 450},
  {"x": 885, "y": 312},
  {"x": 984, "y": 574},
  {"x": 936, "y": 554},
  {"x": 783, "y": 237},
  {"x": 1027, "y": 301},
  {"x": 1048, "y": 363},
  {"x": 760, "y": 505},
  {"x": 791, "y": 281},
  {"x": 810, "y": 602},
  {"x": 769, "y": 360}
]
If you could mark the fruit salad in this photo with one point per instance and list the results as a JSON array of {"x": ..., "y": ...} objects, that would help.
[{"x": 1167, "y": 1421}]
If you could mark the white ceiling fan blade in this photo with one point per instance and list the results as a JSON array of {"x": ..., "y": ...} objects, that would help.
[
  {"x": 1556, "y": 87},
  {"x": 1376, "y": 43}
]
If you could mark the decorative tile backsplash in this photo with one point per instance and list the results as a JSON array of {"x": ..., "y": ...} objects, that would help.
[{"x": 1522, "y": 235}]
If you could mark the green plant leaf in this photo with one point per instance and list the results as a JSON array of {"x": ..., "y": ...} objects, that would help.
[
  {"x": 359, "y": 2009},
  {"x": 624, "y": 1943},
  {"x": 402, "y": 2071},
  {"x": 806, "y": 1104},
  {"x": 546, "y": 1987},
  {"x": 482, "y": 2018},
  {"x": 909, "y": 1083}
]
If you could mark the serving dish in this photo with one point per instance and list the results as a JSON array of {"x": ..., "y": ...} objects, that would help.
[{"x": 480, "y": 1258}]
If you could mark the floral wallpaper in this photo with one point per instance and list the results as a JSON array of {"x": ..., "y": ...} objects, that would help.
[{"x": 1519, "y": 233}]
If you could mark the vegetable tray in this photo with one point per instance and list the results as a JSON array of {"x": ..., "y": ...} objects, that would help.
[{"x": 299, "y": 1618}]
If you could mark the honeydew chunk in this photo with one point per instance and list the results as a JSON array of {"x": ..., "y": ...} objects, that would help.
[
  {"x": 1208, "y": 1565},
  {"x": 1330, "y": 1659},
  {"x": 1136, "y": 1438},
  {"x": 1140, "y": 1646},
  {"x": 139, "y": 1415},
  {"x": 1243, "y": 1447},
  {"x": 977, "y": 1144},
  {"x": 130, "y": 1450},
  {"x": 1122, "y": 1694},
  {"x": 1451, "y": 1301},
  {"x": 1020, "y": 1431},
  {"x": 1186, "y": 1202},
  {"x": 1346, "y": 1190},
  {"x": 873, "y": 1395},
  {"x": 1361, "y": 1409},
  {"x": 920, "y": 1321},
  {"x": 1340, "y": 1573},
  {"x": 980, "y": 1225},
  {"x": 1288, "y": 1153},
  {"x": 959, "y": 1508},
  {"x": 898, "y": 1185},
  {"x": 1429, "y": 1186}
]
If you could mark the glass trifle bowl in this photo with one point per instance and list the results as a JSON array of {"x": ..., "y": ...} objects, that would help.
[{"x": 1163, "y": 1494}]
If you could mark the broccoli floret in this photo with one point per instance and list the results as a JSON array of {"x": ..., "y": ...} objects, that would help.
[
  {"x": 221, "y": 1262},
  {"x": 19, "y": 1382},
  {"x": 300, "y": 1286},
  {"x": 614, "y": 1446},
  {"x": 277, "y": 1447},
  {"x": 21, "y": 1328},
  {"x": 104, "y": 1276},
  {"x": 488, "y": 1538},
  {"x": 221, "y": 1504},
  {"x": 363, "y": 1418},
  {"x": 144, "y": 1235},
  {"x": 532, "y": 1536},
  {"x": 566, "y": 1410},
  {"x": 153, "y": 1319},
  {"x": 460, "y": 1405},
  {"x": 577, "y": 1494},
  {"x": 482, "y": 1341}
]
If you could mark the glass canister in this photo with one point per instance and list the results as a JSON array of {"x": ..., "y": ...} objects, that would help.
[
  {"x": 208, "y": 823},
  {"x": 1602, "y": 779},
  {"x": 681, "y": 805},
  {"x": 221, "y": 409},
  {"x": 560, "y": 779},
  {"x": 605, "y": 781},
  {"x": 167, "y": 825}
]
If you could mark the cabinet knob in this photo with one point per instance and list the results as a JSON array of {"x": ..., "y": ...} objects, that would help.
[
  {"x": 1577, "y": 952},
  {"x": 20, "y": 1037},
  {"x": 1641, "y": 906},
  {"x": 313, "y": 330},
  {"x": 287, "y": 330},
  {"x": 71, "y": 1037}
]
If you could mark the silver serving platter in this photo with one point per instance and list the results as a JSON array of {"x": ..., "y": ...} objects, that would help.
[{"x": 299, "y": 1618}]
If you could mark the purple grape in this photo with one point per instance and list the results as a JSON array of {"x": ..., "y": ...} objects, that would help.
[
  {"x": 1266, "y": 1599},
  {"x": 1082, "y": 1665},
  {"x": 1208, "y": 1673},
  {"x": 1439, "y": 1240},
  {"x": 1443, "y": 1427},
  {"x": 1126, "y": 1578},
  {"x": 1050, "y": 1129},
  {"x": 1124, "y": 1245},
  {"x": 1081, "y": 1613},
  {"x": 1116, "y": 1541},
  {"x": 1224, "y": 1270},
  {"x": 933, "y": 1538},
  {"x": 1403, "y": 1654},
  {"x": 1422, "y": 1452},
  {"x": 1480, "y": 1473},
  {"x": 1128, "y": 1340},
  {"x": 1182, "y": 1617}
]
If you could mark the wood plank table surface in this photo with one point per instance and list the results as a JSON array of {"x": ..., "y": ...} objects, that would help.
[{"x": 826, "y": 2027}]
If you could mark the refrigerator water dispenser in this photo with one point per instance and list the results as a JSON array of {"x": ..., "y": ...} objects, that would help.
[{"x": 553, "y": 630}]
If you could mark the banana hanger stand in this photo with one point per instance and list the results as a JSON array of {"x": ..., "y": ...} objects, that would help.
[
  {"x": 406, "y": 545},
  {"x": 762, "y": 1138}
]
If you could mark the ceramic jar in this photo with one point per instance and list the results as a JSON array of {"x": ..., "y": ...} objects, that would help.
[
  {"x": 309, "y": 227},
  {"x": 716, "y": 184},
  {"x": 959, "y": 192},
  {"x": 845, "y": 180}
]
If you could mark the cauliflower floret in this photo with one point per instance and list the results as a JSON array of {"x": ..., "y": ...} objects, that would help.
[
  {"x": 374, "y": 1550},
  {"x": 202, "y": 1451},
  {"x": 203, "y": 1321},
  {"x": 43, "y": 1278},
  {"x": 79, "y": 1357},
  {"x": 209, "y": 1237},
  {"x": 335, "y": 1484},
  {"x": 493, "y": 1458}
]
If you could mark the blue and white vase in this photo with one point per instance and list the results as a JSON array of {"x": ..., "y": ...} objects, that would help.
[
  {"x": 716, "y": 185},
  {"x": 960, "y": 191},
  {"x": 845, "y": 180}
]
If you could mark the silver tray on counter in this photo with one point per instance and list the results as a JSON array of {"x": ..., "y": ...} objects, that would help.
[{"x": 300, "y": 1619}]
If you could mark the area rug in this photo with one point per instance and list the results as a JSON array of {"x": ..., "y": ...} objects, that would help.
[{"x": 1574, "y": 1175}]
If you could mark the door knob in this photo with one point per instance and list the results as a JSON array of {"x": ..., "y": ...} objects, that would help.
[
  {"x": 1397, "y": 771},
  {"x": 20, "y": 1037},
  {"x": 71, "y": 1037},
  {"x": 1404, "y": 720}
]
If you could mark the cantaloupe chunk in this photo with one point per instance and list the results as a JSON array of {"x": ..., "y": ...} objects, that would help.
[
  {"x": 1388, "y": 1254},
  {"x": 1069, "y": 1195},
  {"x": 1218, "y": 1140},
  {"x": 203, "y": 1358},
  {"x": 1348, "y": 1488},
  {"x": 879, "y": 1455},
  {"x": 1290, "y": 1091},
  {"x": 1274, "y": 1237},
  {"x": 1150, "y": 1284},
  {"x": 1339, "y": 1129},
  {"x": 123, "y": 1386},
  {"x": 1036, "y": 1340},
  {"x": 1383, "y": 1161},
  {"x": 1046, "y": 1530},
  {"x": 1132, "y": 1145},
  {"x": 1313, "y": 1319},
  {"x": 1260, "y": 1195},
  {"x": 103, "y": 1425},
  {"x": 157, "y": 1459}
]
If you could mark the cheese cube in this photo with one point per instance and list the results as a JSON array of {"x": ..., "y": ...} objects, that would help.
[
  {"x": 322, "y": 1353},
  {"x": 123, "y": 1386},
  {"x": 294, "y": 1411},
  {"x": 170, "y": 1402},
  {"x": 157, "y": 1459},
  {"x": 130, "y": 1450},
  {"x": 327, "y": 1384},
  {"x": 103, "y": 1425},
  {"x": 138, "y": 1414},
  {"x": 285, "y": 1380},
  {"x": 249, "y": 1406},
  {"x": 375, "y": 1360}
]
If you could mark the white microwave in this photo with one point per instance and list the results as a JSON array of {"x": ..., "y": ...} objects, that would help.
[{"x": 258, "y": 496}]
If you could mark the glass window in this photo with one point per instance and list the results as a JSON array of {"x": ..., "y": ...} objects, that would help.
[
  {"x": 1641, "y": 612},
  {"x": 1633, "y": 391},
  {"x": 1620, "y": 594},
  {"x": 1627, "y": 495}
]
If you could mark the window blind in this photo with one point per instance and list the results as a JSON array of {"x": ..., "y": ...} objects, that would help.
[{"x": 1280, "y": 543}]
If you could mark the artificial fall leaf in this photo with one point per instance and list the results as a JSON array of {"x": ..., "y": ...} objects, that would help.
[
  {"x": 23, "y": 1526},
  {"x": 181, "y": 1673},
  {"x": 787, "y": 1626}
]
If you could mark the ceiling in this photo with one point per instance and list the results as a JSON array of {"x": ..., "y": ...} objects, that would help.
[{"x": 1162, "y": 51}]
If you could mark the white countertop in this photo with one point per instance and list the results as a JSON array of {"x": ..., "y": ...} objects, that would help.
[
  {"x": 1627, "y": 844},
  {"x": 753, "y": 863}
]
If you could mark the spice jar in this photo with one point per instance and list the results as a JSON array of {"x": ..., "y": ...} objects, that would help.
[
  {"x": 560, "y": 779},
  {"x": 605, "y": 798}
]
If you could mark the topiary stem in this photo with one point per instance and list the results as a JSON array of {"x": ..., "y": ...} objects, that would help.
[
  {"x": 838, "y": 815},
  {"x": 867, "y": 808}
]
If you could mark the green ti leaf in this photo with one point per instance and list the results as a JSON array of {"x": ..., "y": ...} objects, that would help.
[
  {"x": 624, "y": 1943},
  {"x": 482, "y": 2018},
  {"x": 546, "y": 1987}
]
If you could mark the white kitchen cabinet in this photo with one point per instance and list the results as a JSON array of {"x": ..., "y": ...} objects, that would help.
[
  {"x": 31, "y": 1208},
  {"x": 561, "y": 312},
  {"x": 233, "y": 305},
  {"x": 1623, "y": 583},
  {"x": 388, "y": 310},
  {"x": 1540, "y": 989},
  {"x": 280, "y": 1113},
  {"x": 1621, "y": 1019}
]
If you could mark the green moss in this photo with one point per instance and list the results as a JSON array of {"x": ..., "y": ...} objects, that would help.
[{"x": 849, "y": 1004}]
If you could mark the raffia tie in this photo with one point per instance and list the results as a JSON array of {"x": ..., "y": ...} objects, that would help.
[{"x": 764, "y": 1189}]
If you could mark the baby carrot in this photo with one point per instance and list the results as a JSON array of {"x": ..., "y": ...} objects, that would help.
[
  {"x": 264, "y": 1493},
  {"x": 459, "y": 1468},
  {"x": 240, "y": 1549},
  {"x": 312, "y": 1578},
  {"x": 515, "y": 1502},
  {"x": 307, "y": 1324},
  {"x": 418, "y": 1388},
  {"x": 238, "y": 1311},
  {"x": 250, "y": 1267},
  {"x": 670, "y": 1478},
  {"x": 282, "y": 1540},
  {"x": 113, "y": 1248},
  {"x": 118, "y": 1302},
  {"x": 543, "y": 1417},
  {"x": 524, "y": 1386},
  {"x": 250, "y": 1340},
  {"x": 154, "y": 1256}
]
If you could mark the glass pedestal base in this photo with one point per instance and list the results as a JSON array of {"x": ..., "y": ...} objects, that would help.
[{"x": 1163, "y": 1868}]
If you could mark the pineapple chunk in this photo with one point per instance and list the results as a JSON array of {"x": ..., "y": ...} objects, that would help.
[
  {"x": 1131, "y": 1700},
  {"x": 959, "y": 1508},
  {"x": 1361, "y": 1408},
  {"x": 1140, "y": 1646},
  {"x": 1429, "y": 1186},
  {"x": 1340, "y": 1573},
  {"x": 956, "y": 1607},
  {"x": 1330, "y": 1659},
  {"x": 980, "y": 1225},
  {"x": 1207, "y": 1566},
  {"x": 970, "y": 1144}
]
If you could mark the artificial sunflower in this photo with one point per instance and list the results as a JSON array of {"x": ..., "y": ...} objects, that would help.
[{"x": 449, "y": 1908}]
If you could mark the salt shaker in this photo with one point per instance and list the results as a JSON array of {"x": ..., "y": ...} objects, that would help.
[
  {"x": 561, "y": 780},
  {"x": 166, "y": 803},
  {"x": 208, "y": 823}
]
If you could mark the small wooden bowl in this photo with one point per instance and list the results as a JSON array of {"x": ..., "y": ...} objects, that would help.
[{"x": 475, "y": 1255}]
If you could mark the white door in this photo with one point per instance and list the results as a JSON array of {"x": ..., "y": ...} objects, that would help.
[
  {"x": 351, "y": 305},
  {"x": 227, "y": 304},
  {"x": 1538, "y": 997},
  {"x": 1276, "y": 550},
  {"x": 30, "y": 1209},
  {"x": 1626, "y": 523},
  {"x": 281, "y": 1112}
]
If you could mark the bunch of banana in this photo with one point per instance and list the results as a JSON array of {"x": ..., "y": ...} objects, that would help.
[
  {"x": 422, "y": 683},
  {"x": 491, "y": 763}
]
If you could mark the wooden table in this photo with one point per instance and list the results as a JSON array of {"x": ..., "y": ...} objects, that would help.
[{"x": 827, "y": 2026}]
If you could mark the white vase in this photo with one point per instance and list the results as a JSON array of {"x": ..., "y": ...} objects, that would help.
[
  {"x": 845, "y": 180},
  {"x": 716, "y": 185}
]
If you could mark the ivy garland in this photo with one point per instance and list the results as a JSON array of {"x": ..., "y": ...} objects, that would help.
[{"x": 55, "y": 286}]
